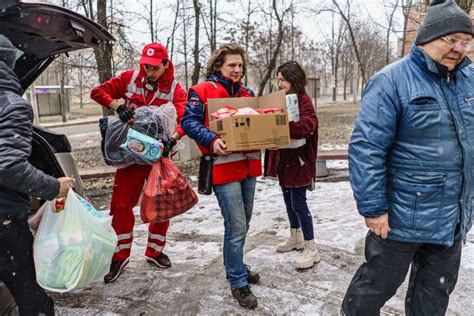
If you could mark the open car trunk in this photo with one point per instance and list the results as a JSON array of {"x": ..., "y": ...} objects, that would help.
[{"x": 41, "y": 32}]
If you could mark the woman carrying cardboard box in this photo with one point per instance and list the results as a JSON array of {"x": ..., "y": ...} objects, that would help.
[{"x": 296, "y": 167}]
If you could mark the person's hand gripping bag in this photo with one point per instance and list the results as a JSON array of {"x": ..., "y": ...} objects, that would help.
[{"x": 73, "y": 247}]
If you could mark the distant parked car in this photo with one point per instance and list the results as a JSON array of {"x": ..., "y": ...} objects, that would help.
[{"x": 41, "y": 32}]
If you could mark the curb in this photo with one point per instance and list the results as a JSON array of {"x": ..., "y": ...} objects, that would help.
[
  {"x": 106, "y": 172},
  {"x": 71, "y": 123}
]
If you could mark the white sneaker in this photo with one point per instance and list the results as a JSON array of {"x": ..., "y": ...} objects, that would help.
[
  {"x": 294, "y": 242},
  {"x": 309, "y": 257}
]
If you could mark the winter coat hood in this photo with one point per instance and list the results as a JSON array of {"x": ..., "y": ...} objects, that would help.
[{"x": 8, "y": 79}]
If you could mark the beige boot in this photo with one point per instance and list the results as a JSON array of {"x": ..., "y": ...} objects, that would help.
[
  {"x": 309, "y": 257},
  {"x": 294, "y": 242}
]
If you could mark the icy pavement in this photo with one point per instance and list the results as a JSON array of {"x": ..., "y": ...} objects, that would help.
[{"x": 196, "y": 283}]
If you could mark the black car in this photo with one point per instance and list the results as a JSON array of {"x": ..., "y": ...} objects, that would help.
[{"x": 41, "y": 32}]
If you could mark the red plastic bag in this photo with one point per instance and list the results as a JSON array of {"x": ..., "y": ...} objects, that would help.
[{"x": 167, "y": 193}]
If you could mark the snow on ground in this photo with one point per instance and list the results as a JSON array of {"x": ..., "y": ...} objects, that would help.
[{"x": 196, "y": 283}]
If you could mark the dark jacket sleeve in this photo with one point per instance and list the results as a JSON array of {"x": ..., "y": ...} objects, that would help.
[
  {"x": 373, "y": 135},
  {"x": 16, "y": 172},
  {"x": 307, "y": 124},
  {"x": 193, "y": 121}
]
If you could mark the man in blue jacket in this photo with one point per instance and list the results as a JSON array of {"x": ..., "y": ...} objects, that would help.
[{"x": 411, "y": 160}]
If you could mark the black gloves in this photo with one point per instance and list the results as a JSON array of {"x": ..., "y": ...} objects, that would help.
[
  {"x": 168, "y": 147},
  {"x": 125, "y": 114}
]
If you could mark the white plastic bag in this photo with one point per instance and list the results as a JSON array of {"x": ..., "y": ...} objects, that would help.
[
  {"x": 35, "y": 220},
  {"x": 74, "y": 247}
]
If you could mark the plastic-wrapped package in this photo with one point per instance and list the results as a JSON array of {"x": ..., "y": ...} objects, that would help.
[
  {"x": 292, "y": 108},
  {"x": 143, "y": 145},
  {"x": 74, "y": 247},
  {"x": 158, "y": 122}
]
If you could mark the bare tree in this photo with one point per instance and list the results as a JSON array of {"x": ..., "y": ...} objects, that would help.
[
  {"x": 171, "y": 39},
  {"x": 151, "y": 16},
  {"x": 390, "y": 20},
  {"x": 197, "y": 64},
  {"x": 407, "y": 6},
  {"x": 274, "y": 54},
  {"x": 248, "y": 29},
  {"x": 211, "y": 30},
  {"x": 346, "y": 16},
  {"x": 466, "y": 5},
  {"x": 335, "y": 52}
]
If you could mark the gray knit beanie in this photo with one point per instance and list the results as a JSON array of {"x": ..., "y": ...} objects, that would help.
[
  {"x": 443, "y": 17},
  {"x": 7, "y": 51}
]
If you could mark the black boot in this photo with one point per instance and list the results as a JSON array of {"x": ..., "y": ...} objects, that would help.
[
  {"x": 245, "y": 297},
  {"x": 252, "y": 276},
  {"x": 162, "y": 261},
  {"x": 116, "y": 268}
]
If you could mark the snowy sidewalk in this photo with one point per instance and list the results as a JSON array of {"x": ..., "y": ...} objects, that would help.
[{"x": 196, "y": 283}]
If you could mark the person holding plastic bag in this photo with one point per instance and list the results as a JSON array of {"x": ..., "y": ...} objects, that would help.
[
  {"x": 296, "y": 167},
  {"x": 153, "y": 84},
  {"x": 73, "y": 245},
  {"x": 233, "y": 174},
  {"x": 19, "y": 181}
]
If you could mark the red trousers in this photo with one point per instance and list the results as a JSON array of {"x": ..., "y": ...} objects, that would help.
[{"x": 128, "y": 185}]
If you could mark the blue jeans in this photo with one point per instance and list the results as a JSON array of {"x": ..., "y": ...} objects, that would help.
[
  {"x": 298, "y": 211},
  {"x": 236, "y": 203}
]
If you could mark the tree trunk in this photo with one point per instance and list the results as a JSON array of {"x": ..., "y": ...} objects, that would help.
[
  {"x": 247, "y": 38},
  {"x": 354, "y": 42},
  {"x": 274, "y": 53},
  {"x": 465, "y": 5},
  {"x": 389, "y": 30},
  {"x": 213, "y": 18},
  {"x": 103, "y": 53},
  {"x": 185, "y": 47},
  {"x": 406, "y": 15},
  {"x": 197, "y": 65},
  {"x": 62, "y": 92},
  {"x": 152, "y": 23},
  {"x": 175, "y": 23},
  {"x": 355, "y": 79}
]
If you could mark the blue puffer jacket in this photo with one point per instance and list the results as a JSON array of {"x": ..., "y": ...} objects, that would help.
[{"x": 412, "y": 149}]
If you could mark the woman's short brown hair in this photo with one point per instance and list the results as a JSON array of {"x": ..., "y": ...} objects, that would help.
[
  {"x": 218, "y": 57},
  {"x": 294, "y": 74}
]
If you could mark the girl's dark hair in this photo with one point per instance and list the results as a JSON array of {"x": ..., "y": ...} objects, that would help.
[
  {"x": 218, "y": 57},
  {"x": 294, "y": 74}
]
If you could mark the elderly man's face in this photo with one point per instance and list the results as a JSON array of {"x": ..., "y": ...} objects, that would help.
[{"x": 448, "y": 50}]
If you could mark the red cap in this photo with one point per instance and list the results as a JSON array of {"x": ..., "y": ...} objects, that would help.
[{"x": 153, "y": 54}]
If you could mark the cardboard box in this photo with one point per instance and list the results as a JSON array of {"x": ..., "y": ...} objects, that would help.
[{"x": 252, "y": 132}]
